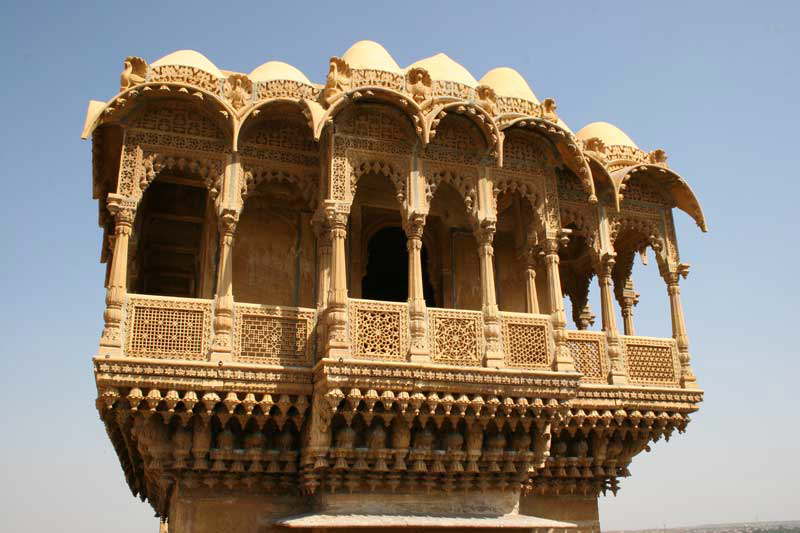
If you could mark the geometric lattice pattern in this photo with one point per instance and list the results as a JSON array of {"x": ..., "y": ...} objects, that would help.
[
  {"x": 167, "y": 328},
  {"x": 379, "y": 330},
  {"x": 273, "y": 335},
  {"x": 589, "y": 353},
  {"x": 525, "y": 341},
  {"x": 456, "y": 337},
  {"x": 652, "y": 361}
]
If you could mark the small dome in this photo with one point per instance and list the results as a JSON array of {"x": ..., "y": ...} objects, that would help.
[
  {"x": 370, "y": 55},
  {"x": 608, "y": 133},
  {"x": 441, "y": 67},
  {"x": 189, "y": 58},
  {"x": 508, "y": 82},
  {"x": 278, "y": 70}
]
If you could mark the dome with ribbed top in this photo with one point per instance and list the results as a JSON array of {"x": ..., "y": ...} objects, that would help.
[
  {"x": 189, "y": 58},
  {"x": 278, "y": 70},
  {"x": 370, "y": 55},
  {"x": 441, "y": 67},
  {"x": 608, "y": 133},
  {"x": 508, "y": 82}
]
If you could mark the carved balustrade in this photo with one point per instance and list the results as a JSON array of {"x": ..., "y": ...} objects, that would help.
[{"x": 160, "y": 327}]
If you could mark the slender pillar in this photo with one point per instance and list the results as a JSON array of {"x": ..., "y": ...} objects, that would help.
[
  {"x": 688, "y": 379},
  {"x": 563, "y": 360},
  {"x": 223, "y": 312},
  {"x": 494, "y": 356},
  {"x": 629, "y": 299},
  {"x": 531, "y": 298},
  {"x": 617, "y": 371},
  {"x": 418, "y": 347},
  {"x": 323, "y": 274},
  {"x": 338, "y": 342},
  {"x": 124, "y": 210}
]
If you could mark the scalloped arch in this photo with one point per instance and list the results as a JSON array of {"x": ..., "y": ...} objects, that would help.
[
  {"x": 304, "y": 106},
  {"x": 677, "y": 187},
  {"x": 565, "y": 144},
  {"x": 128, "y": 101},
  {"x": 476, "y": 114},
  {"x": 379, "y": 95}
]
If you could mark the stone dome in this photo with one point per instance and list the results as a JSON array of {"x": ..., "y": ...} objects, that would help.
[
  {"x": 608, "y": 133},
  {"x": 278, "y": 70},
  {"x": 508, "y": 82},
  {"x": 441, "y": 67},
  {"x": 370, "y": 55},
  {"x": 189, "y": 58}
]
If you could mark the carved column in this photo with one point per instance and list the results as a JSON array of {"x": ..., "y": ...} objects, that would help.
[
  {"x": 323, "y": 273},
  {"x": 629, "y": 299},
  {"x": 531, "y": 298},
  {"x": 617, "y": 374},
  {"x": 491, "y": 314},
  {"x": 124, "y": 210},
  {"x": 563, "y": 358},
  {"x": 223, "y": 312},
  {"x": 688, "y": 379},
  {"x": 418, "y": 350},
  {"x": 338, "y": 342}
]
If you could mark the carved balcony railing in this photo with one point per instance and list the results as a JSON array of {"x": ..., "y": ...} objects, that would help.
[
  {"x": 270, "y": 334},
  {"x": 589, "y": 351},
  {"x": 652, "y": 361},
  {"x": 456, "y": 336},
  {"x": 379, "y": 330},
  {"x": 527, "y": 340},
  {"x": 163, "y": 327}
]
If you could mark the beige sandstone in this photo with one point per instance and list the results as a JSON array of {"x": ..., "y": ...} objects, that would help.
[{"x": 342, "y": 305}]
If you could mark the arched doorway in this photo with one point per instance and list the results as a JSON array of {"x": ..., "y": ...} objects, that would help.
[{"x": 386, "y": 275}]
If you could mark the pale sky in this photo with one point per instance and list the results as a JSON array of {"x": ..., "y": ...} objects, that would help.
[{"x": 715, "y": 84}]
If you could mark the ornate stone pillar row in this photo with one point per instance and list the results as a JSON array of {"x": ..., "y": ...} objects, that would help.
[
  {"x": 563, "y": 358},
  {"x": 615, "y": 351},
  {"x": 688, "y": 379},
  {"x": 531, "y": 298},
  {"x": 629, "y": 299},
  {"x": 124, "y": 210},
  {"x": 223, "y": 313},
  {"x": 338, "y": 341},
  {"x": 418, "y": 350},
  {"x": 494, "y": 356}
]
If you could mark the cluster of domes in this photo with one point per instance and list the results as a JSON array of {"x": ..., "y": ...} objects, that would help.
[{"x": 505, "y": 81}]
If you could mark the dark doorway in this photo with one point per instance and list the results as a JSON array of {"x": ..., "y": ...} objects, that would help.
[{"x": 387, "y": 268}]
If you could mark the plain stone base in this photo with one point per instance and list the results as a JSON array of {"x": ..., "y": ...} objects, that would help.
[{"x": 208, "y": 511}]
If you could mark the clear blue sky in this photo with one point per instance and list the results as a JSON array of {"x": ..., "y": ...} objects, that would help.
[{"x": 713, "y": 83}]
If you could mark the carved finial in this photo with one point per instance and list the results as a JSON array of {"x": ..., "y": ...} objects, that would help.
[
  {"x": 134, "y": 72},
  {"x": 487, "y": 99},
  {"x": 419, "y": 84},
  {"x": 595, "y": 144},
  {"x": 238, "y": 90},
  {"x": 548, "y": 110},
  {"x": 337, "y": 81},
  {"x": 658, "y": 157}
]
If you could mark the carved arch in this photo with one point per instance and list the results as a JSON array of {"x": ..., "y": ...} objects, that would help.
[
  {"x": 465, "y": 186},
  {"x": 381, "y": 95},
  {"x": 475, "y": 113},
  {"x": 362, "y": 165},
  {"x": 674, "y": 185},
  {"x": 566, "y": 145},
  {"x": 311, "y": 112},
  {"x": 127, "y": 103},
  {"x": 255, "y": 175}
]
